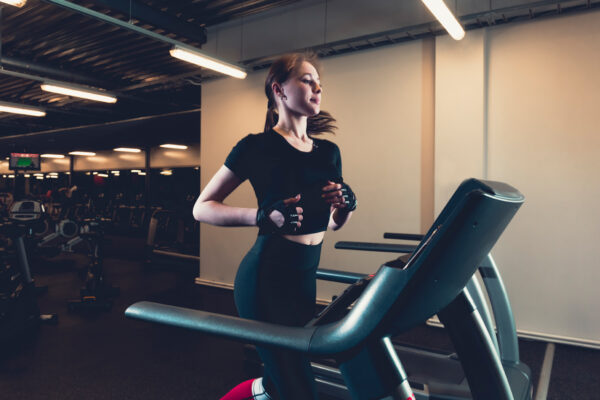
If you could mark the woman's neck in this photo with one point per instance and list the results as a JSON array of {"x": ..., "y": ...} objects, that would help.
[{"x": 292, "y": 126}]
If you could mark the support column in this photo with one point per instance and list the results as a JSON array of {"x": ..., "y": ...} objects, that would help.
[
  {"x": 71, "y": 169},
  {"x": 147, "y": 181}
]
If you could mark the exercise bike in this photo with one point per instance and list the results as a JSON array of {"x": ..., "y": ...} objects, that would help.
[{"x": 19, "y": 311}]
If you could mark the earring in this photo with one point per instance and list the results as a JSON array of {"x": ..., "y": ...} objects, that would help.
[{"x": 283, "y": 97}]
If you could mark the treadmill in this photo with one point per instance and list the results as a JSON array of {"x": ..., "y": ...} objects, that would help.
[
  {"x": 356, "y": 329},
  {"x": 437, "y": 375}
]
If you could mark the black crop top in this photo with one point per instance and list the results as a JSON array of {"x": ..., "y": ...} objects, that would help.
[{"x": 277, "y": 171}]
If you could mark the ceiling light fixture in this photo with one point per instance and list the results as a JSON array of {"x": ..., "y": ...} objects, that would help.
[
  {"x": 439, "y": 9},
  {"x": 16, "y": 3},
  {"x": 52, "y": 155},
  {"x": 174, "y": 146},
  {"x": 204, "y": 61},
  {"x": 82, "y": 153},
  {"x": 79, "y": 91},
  {"x": 21, "y": 109},
  {"x": 127, "y": 150}
]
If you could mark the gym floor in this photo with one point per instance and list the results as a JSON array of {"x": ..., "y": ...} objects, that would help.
[{"x": 106, "y": 356}]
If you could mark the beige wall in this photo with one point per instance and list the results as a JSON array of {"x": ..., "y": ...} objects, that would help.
[
  {"x": 519, "y": 104},
  {"x": 378, "y": 107}
]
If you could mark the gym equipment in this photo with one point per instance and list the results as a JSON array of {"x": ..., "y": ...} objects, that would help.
[
  {"x": 66, "y": 232},
  {"x": 171, "y": 237},
  {"x": 19, "y": 310},
  {"x": 97, "y": 293},
  {"x": 402, "y": 294},
  {"x": 434, "y": 374}
]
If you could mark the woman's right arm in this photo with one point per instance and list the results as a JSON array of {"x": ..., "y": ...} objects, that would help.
[{"x": 209, "y": 207}]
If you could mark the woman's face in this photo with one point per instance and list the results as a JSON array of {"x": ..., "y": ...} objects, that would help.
[{"x": 302, "y": 91}]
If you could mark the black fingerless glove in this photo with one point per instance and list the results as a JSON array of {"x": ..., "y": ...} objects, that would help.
[
  {"x": 348, "y": 195},
  {"x": 290, "y": 215}
]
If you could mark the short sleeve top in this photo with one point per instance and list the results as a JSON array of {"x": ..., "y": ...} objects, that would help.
[{"x": 277, "y": 171}]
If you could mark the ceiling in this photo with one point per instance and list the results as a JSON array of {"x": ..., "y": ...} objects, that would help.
[{"x": 45, "y": 39}]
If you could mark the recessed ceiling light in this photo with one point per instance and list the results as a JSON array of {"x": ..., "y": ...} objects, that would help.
[
  {"x": 174, "y": 146},
  {"x": 52, "y": 156}
]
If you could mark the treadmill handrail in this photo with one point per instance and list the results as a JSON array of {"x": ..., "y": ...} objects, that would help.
[
  {"x": 333, "y": 275},
  {"x": 403, "y": 236},
  {"x": 381, "y": 247},
  {"x": 333, "y": 338},
  {"x": 239, "y": 329}
]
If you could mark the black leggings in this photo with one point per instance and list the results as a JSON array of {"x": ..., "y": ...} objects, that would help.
[{"x": 276, "y": 283}]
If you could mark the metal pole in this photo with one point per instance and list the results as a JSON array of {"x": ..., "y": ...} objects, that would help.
[
  {"x": 147, "y": 181},
  {"x": 71, "y": 169}
]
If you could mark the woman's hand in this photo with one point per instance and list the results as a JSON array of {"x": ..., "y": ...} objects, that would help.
[
  {"x": 339, "y": 195},
  {"x": 290, "y": 214}
]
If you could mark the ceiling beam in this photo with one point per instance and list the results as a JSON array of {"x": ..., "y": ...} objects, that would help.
[
  {"x": 156, "y": 18},
  {"x": 133, "y": 28},
  {"x": 51, "y": 72}
]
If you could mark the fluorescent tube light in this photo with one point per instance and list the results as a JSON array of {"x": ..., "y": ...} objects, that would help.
[
  {"x": 136, "y": 171},
  {"x": 21, "y": 109},
  {"x": 174, "y": 146},
  {"x": 52, "y": 155},
  {"x": 82, "y": 153},
  {"x": 141, "y": 173},
  {"x": 205, "y": 61},
  {"x": 127, "y": 150},
  {"x": 439, "y": 9},
  {"x": 16, "y": 3},
  {"x": 41, "y": 178},
  {"x": 103, "y": 175},
  {"x": 75, "y": 91},
  {"x": 167, "y": 172}
]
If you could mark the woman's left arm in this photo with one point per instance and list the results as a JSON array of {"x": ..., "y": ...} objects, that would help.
[
  {"x": 338, "y": 218},
  {"x": 343, "y": 203}
]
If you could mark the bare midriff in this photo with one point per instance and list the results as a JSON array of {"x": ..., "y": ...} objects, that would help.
[{"x": 308, "y": 239}]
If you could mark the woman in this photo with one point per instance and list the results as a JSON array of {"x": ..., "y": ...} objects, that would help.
[{"x": 298, "y": 182}]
